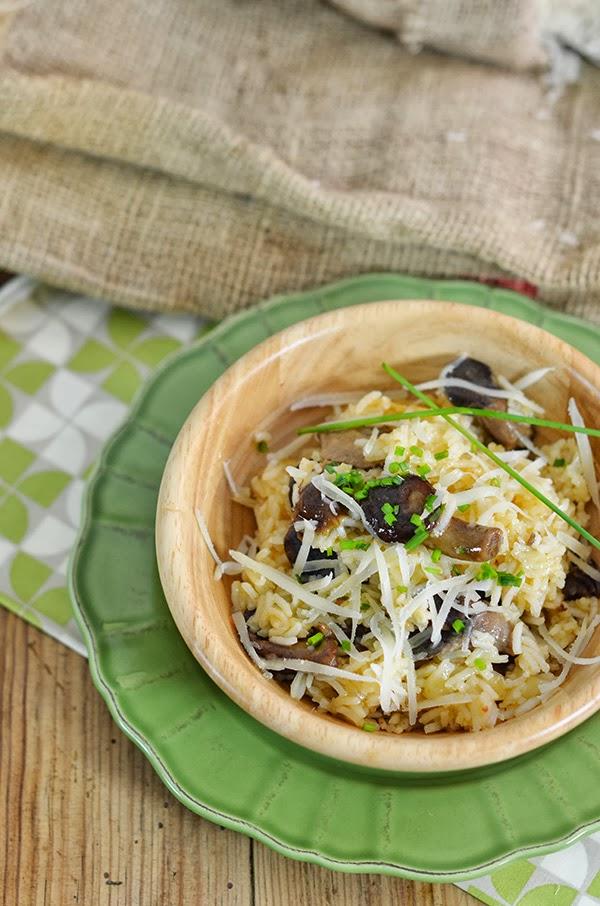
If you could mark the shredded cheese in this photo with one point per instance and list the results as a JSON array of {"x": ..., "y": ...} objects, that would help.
[
  {"x": 308, "y": 536},
  {"x": 206, "y": 536},
  {"x": 240, "y": 625},
  {"x": 586, "y": 568},
  {"x": 568, "y": 656},
  {"x": 532, "y": 378},
  {"x": 230, "y": 479},
  {"x": 584, "y": 448},
  {"x": 283, "y": 581}
]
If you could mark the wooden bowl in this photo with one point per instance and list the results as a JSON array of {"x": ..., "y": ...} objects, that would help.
[{"x": 343, "y": 350}]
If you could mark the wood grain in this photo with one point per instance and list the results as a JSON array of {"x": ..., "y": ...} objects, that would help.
[{"x": 84, "y": 819}]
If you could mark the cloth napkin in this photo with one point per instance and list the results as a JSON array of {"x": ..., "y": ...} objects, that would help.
[
  {"x": 193, "y": 155},
  {"x": 69, "y": 367}
]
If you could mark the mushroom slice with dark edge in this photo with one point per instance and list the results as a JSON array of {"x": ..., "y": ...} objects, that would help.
[
  {"x": 476, "y": 372},
  {"x": 340, "y": 446},
  {"x": 311, "y": 506},
  {"x": 493, "y": 623},
  {"x": 323, "y": 653},
  {"x": 389, "y": 510},
  {"x": 463, "y": 541},
  {"x": 291, "y": 545},
  {"x": 405, "y": 500},
  {"x": 496, "y": 625},
  {"x": 579, "y": 585},
  {"x": 594, "y": 528}
]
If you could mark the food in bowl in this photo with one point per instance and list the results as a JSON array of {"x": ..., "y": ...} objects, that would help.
[{"x": 422, "y": 566}]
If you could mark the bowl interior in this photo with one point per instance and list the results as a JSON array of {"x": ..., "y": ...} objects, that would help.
[{"x": 342, "y": 351}]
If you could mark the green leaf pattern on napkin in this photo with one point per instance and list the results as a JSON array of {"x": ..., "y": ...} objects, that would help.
[{"x": 69, "y": 368}]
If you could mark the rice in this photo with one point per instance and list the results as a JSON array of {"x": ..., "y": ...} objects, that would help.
[{"x": 389, "y": 591}]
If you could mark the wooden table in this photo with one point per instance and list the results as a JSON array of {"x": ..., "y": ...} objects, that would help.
[{"x": 86, "y": 820}]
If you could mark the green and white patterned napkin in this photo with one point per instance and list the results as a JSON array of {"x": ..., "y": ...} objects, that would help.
[{"x": 69, "y": 368}]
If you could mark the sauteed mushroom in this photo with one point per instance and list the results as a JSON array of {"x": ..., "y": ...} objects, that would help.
[
  {"x": 579, "y": 585},
  {"x": 389, "y": 510},
  {"x": 493, "y": 623},
  {"x": 341, "y": 447},
  {"x": 476, "y": 372},
  {"x": 323, "y": 653},
  {"x": 291, "y": 545},
  {"x": 464, "y": 541},
  {"x": 311, "y": 506}
]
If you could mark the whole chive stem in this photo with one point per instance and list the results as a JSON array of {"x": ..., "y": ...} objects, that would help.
[
  {"x": 330, "y": 427},
  {"x": 404, "y": 382}
]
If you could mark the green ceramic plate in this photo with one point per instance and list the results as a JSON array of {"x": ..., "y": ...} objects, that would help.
[{"x": 215, "y": 758}]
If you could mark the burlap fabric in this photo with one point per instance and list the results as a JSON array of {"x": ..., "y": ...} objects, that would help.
[{"x": 199, "y": 155}]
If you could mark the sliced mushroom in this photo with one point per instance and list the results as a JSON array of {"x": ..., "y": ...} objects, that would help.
[
  {"x": 406, "y": 500},
  {"x": 311, "y": 506},
  {"x": 460, "y": 539},
  {"x": 497, "y": 626},
  {"x": 594, "y": 528},
  {"x": 341, "y": 446},
  {"x": 464, "y": 541},
  {"x": 579, "y": 585},
  {"x": 476, "y": 372},
  {"x": 487, "y": 621},
  {"x": 291, "y": 545},
  {"x": 420, "y": 642},
  {"x": 324, "y": 653}
]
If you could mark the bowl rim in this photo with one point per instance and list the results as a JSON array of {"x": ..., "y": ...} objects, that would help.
[{"x": 315, "y": 731}]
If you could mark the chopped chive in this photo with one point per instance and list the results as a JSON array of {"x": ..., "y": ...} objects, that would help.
[
  {"x": 402, "y": 589},
  {"x": 423, "y": 470},
  {"x": 345, "y": 645},
  {"x": 315, "y": 639},
  {"x": 370, "y": 728},
  {"x": 463, "y": 507},
  {"x": 417, "y": 521},
  {"x": 262, "y": 446},
  {"x": 329, "y": 467},
  {"x": 479, "y": 663},
  {"x": 443, "y": 454},
  {"x": 434, "y": 570},
  {"x": 399, "y": 451},
  {"x": 364, "y": 606},
  {"x": 390, "y": 519},
  {"x": 458, "y": 625},
  {"x": 347, "y": 544},
  {"x": 368, "y": 421},
  {"x": 436, "y": 555},
  {"x": 507, "y": 579},
  {"x": 394, "y": 467},
  {"x": 416, "y": 451},
  {"x": 329, "y": 552},
  {"x": 430, "y": 502},
  {"x": 486, "y": 571},
  {"x": 456, "y": 571},
  {"x": 559, "y": 463},
  {"x": 495, "y": 482},
  {"x": 416, "y": 539},
  {"x": 495, "y": 458}
]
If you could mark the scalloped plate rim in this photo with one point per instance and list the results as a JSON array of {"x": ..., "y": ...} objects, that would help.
[{"x": 103, "y": 685}]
